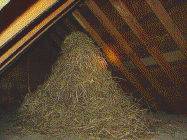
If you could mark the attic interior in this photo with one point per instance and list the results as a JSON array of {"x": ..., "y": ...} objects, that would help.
[{"x": 142, "y": 44}]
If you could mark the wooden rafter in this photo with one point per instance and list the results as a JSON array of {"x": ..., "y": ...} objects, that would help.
[
  {"x": 29, "y": 35},
  {"x": 83, "y": 22},
  {"x": 168, "y": 23},
  {"x": 24, "y": 20},
  {"x": 151, "y": 47},
  {"x": 127, "y": 48},
  {"x": 171, "y": 57}
]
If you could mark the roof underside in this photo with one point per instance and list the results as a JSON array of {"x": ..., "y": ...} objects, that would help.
[{"x": 148, "y": 36}]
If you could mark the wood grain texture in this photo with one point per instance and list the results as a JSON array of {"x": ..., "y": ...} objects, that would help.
[
  {"x": 149, "y": 43},
  {"x": 119, "y": 65},
  {"x": 168, "y": 23},
  {"x": 127, "y": 49},
  {"x": 22, "y": 21},
  {"x": 20, "y": 46}
]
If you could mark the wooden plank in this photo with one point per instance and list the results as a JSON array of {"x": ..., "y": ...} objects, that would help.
[
  {"x": 20, "y": 46},
  {"x": 4, "y": 3},
  {"x": 149, "y": 45},
  {"x": 168, "y": 23},
  {"x": 171, "y": 57},
  {"x": 127, "y": 49},
  {"x": 26, "y": 18},
  {"x": 104, "y": 46}
]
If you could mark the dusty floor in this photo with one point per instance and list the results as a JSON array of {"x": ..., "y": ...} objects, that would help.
[{"x": 174, "y": 127}]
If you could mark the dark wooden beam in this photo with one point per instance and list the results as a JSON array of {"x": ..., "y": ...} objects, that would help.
[
  {"x": 149, "y": 44},
  {"x": 20, "y": 41},
  {"x": 127, "y": 48},
  {"x": 105, "y": 47},
  {"x": 12, "y": 10},
  {"x": 168, "y": 23}
]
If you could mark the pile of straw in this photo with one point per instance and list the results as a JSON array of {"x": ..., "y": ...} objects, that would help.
[{"x": 80, "y": 98}]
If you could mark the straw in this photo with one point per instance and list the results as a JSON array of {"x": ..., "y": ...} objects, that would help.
[{"x": 80, "y": 98}]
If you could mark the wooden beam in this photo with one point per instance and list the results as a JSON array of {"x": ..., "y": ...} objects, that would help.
[
  {"x": 127, "y": 48},
  {"x": 168, "y": 23},
  {"x": 171, "y": 57},
  {"x": 84, "y": 23},
  {"x": 3, "y": 3},
  {"x": 16, "y": 49},
  {"x": 149, "y": 45},
  {"x": 24, "y": 20}
]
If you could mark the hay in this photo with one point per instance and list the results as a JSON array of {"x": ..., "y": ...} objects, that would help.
[{"x": 80, "y": 98}]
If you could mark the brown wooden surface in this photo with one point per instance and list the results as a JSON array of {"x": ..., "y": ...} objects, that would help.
[
  {"x": 145, "y": 50},
  {"x": 118, "y": 64},
  {"x": 127, "y": 49},
  {"x": 149, "y": 44},
  {"x": 19, "y": 47},
  {"x": 13, "y": 10},
  {"x": 168, "y": 23},
  {"x": 24, "y": 19}
]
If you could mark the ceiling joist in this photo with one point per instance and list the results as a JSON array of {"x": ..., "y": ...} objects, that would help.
[
  {"x": 149, "y": 44},
  {"x": 83, "y": 22},
  {"x": 127, "y": 49},
  {"x": 168, "y": 23}
]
